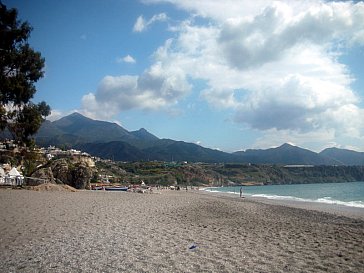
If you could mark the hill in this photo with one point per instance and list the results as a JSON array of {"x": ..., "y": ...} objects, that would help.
[
  {"x": 230, "y": 174},
  {"x": 344, "y": 156},
  {"x": 91, "y": 130},
  {"x": 76, "y": 129},
  {"x": 111, "y": 141},
  {"x": 114, "y": 150},
  {"x": 286, "y": 154}
]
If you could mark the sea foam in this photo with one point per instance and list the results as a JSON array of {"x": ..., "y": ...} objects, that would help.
[{"x": 324, "y": 200}]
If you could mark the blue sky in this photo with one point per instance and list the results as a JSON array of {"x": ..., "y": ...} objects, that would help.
[{"x": 229, "y": 75}]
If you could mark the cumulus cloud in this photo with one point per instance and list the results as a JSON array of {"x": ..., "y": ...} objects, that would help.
[
  {"x": 141, "y": 24},
  {"x": 297, "y": 103},
  {"x": 155, "y": 89},
  {"x": 269, "y": 35},
  {"x": 275, "y": 64},
  {"x": 314, "y": 139},
  {"x": 126, "y": 59},
  {"x": 217, "y": 9},
  {"x": 55, "y": 114}
]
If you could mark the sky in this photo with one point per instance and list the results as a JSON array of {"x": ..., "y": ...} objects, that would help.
[{"x": 228, "y": 75}]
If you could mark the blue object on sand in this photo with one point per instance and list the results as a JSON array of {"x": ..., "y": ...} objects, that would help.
[
  {"x": 193, "y": 246},
  {"x": 116, "y": 188}
]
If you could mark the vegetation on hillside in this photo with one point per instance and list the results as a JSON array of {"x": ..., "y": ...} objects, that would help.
[{"x": 163, "y": 173}]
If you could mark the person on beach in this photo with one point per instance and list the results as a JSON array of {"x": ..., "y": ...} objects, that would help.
[{"x": 241, "y": 192}]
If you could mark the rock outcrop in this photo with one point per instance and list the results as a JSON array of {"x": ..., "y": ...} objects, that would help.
[
  {"x": 43, "y": 175},
  {"x": 63, "y": 171},
  {"x": 81, "y": 176}
]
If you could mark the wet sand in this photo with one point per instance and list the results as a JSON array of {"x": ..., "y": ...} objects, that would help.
[
  {"x": 128, "y": 232},
  {"x": 347, "y": 211}
]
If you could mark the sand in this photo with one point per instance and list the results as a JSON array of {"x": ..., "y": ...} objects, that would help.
[
  {"x": 89, "y": 231},
  {"x": 52, "y": 187}
]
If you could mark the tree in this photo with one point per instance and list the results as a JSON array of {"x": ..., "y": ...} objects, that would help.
[{"x": 20, "y": 68}]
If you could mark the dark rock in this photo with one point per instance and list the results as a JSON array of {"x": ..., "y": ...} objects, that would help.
[
  {"x": 61, "y": 172},
  {"x": 81, "y": 176},
  {"x": 43, "y": 175}
]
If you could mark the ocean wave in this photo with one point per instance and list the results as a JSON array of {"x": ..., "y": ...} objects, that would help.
[
  {"x": 280, "y": 197},
  {"x": 325, "y": 200},
  {"x": 329, "y": 200}
]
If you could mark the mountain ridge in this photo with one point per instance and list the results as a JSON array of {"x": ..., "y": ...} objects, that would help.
[
  {"x": 286, "y": 154},
  {"x": 350, "y": 157},
  {"x": 110, "y": 140}
]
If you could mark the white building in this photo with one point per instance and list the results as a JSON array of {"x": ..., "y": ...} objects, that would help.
[
  {"x": 2, "y": 176},
  {"x": 14, "y": 178}
]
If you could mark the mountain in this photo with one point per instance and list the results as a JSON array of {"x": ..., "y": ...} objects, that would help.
[
  {"x": 144, "y": 135},
  {"x": 49, "y": 129},
  {"x": 286, "y": 154},
  {"x": 162, "y": 150},
  {"x": 111, "y": 141},
  {"x": 115, "y": 150},
  {"x": 75, "y": 129},
  {"x": 91, "y": 130},
  {"x": 170, "y": 150},
  {"x": 344, "y": 156}
]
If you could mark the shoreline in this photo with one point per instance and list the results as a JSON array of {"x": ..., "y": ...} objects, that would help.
[
  {"x": 340, "y": 210},
  {"x": 174, "y": 231}
]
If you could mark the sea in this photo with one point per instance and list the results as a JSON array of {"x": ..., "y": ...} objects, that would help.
[{"x": 349, "y": 194}]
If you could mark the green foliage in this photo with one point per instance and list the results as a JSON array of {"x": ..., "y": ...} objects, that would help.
[
  {"x": 277, "y": 174},
  {"x": 20, "y": 68},
  {"x": 160, "y": 173},
  {"x": 27, "y": 121},
  {"x": 30, "y": 160}
]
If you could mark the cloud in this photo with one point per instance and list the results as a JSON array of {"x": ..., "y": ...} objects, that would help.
[
  {"x": 300, "y": 82},
  {"x": 216, "y": 9},
  {"x": 298, "y": 103},
  {"x": 313, "y": 140},
  {"x": 275, "y": 64},
  {"x": 271, "y": 34},
  {"x": 57, "y": 114},
  {"x": 155, "y": 89},
  {"x": 278, "y": 67},
  {"x": 141, "y": 24},
  {"x": 126, "y": 59}
]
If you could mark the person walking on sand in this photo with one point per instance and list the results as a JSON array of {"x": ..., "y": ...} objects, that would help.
[{"x": 241, "y": 192}]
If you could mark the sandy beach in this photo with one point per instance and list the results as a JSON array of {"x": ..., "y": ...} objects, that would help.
[{"x": 174, "y": 231}]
